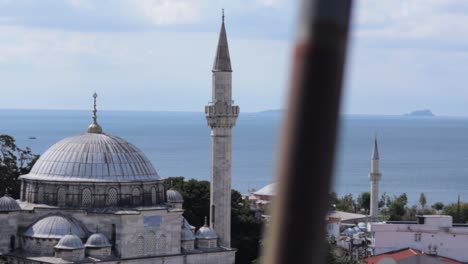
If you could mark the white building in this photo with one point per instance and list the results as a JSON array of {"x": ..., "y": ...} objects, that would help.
[{"x": 434, "y": 234}]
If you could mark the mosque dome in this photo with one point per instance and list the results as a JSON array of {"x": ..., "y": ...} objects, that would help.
[
  {"x": 97, "y": 240},
  {"x": 8, "y": 204},
  {"x": 205, "y": 232},
  {"x": 55, "y": 227},
  {"x": 174, "y": 196},
  {"x": 70, "y": 241},
  {"x": 93, "y": 157}
]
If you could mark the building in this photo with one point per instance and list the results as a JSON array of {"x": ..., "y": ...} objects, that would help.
[
  {"x": 408, "y": 256},
  {"x": 433, "y": 234},
  {"x": 95, "y": 197}
]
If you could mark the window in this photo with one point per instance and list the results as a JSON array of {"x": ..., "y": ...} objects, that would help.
[
  {"x": 61, "y": 197},
  {"x": 160, "y": 194},
  {"x": 112, "y": 199},
  {"x": 40, "y": 195},
  {"x": 139, "y": 246},
  {"x": 150, "y": 243},
  {"x": 136, "y": 196},
  {"x": 417, "y": 237},
  {"x": 86, "y": 198},
  {"x": 153, "y": 196}
]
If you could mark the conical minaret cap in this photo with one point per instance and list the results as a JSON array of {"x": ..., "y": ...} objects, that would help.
[
  {"x": 222, "y": 62},
  {"x": 375, "y": 151}
]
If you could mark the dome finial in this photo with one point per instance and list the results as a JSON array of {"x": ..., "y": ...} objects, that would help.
[
  {"x": 206, "y": 221},
  {"x": 97, "y": 228},
  {"x": 222, "y": 10},
  {"x": 95, "y": 127}
]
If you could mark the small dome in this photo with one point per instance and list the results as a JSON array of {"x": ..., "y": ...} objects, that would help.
[
  {"x": 97, "y": 240},
  {"x": 70, "y": 241},
  {"x": 205, "y": 232},
  {"x": 174, "y": 196},
  {"x": 8, "y": 204},
  {"x": 186, "y": 233},
  {"x": 55, "y": 226}
]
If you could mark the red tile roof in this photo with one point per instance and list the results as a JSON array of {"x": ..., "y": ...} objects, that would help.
[{"x": 404, "y": 254}]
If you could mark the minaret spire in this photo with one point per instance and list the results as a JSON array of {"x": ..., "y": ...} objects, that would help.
[
  {"x": 221, "y": 115},
  {"x": 222, "y": 62},
  {"x": 374, "y": 179},
  {"x": 375, "y": 151},
  {"x": 95, "y": 127}
]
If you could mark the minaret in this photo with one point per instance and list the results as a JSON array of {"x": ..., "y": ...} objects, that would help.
[
  {"x": 374, "y": 178},
  {"x": 221, "y": 115}
]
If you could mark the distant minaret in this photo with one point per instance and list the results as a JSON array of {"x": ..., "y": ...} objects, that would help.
[
  {"x": 374, "y": 178},
  {"x": 221, "y": 115}
]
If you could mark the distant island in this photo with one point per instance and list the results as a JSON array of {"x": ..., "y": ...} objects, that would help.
[{"x": 420, "y": 113}]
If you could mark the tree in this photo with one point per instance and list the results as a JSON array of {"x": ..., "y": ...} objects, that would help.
[
  {"x": 422, "y": 200},
  {"x": 438, "y": 206},
  {"x": 364, "y": 201},
  {"x": 346, "y": 203},
  {"x": 397, "y": 208},
  {"x": 246, "y": 229},
  {"x": 384, "y": 200},
  {"x": 14, "y": 162}
]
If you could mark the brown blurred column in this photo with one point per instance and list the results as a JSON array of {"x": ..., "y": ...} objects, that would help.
[{"x": 297, "y": 233}]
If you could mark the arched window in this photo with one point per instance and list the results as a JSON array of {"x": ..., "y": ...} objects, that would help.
[
  {"x": 136, "y": 196},
  {"x": 150, "y": 243},
  {"x": 161, "y": 243},
  {"x": 153, "y": 196},
  {"x": 40, "y": 195},
  {"x": 86, "y": 198},
  {"x": 61, "y": 197},
  {"x": 139, "y": 246},
  {"x": 112, "y": 197},
  {"x": 160, "y": 193}
]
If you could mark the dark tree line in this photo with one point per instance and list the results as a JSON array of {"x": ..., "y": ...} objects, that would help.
[{"x": 14, "y": 161}]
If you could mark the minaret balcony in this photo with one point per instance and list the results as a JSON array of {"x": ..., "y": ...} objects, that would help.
[{"x": 220, "y": 109}]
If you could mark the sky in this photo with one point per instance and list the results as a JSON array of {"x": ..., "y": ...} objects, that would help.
[{"x": 157, "y": 55}]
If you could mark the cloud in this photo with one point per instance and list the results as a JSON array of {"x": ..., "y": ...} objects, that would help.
[{"x": 167, "y": 12}]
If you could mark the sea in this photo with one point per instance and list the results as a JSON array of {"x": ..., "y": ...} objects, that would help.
[{"x": 418, "y": 154}]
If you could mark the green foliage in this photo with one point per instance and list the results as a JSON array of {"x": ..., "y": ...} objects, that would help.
[
  {"x": 14, "y": 162},
  {"x": 385, "y": 200},
  {"x": 364, "y": 201},
  {"x": 346, "y": 203},
  {"x": 397, "y": 209},
  {"x": 246, "y": 229},
  {"x": 332, "y": 258},
  {"x": 459, "y": 216},
  {"x": 422, "y": 200},
  {"x": 438, "y": 206}
]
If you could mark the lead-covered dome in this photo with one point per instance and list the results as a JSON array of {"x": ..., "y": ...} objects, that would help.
[
  {"x": 8, "y": 204},
  {"x": 70, "y": 241},
  {"x": 97, "y": 240},
  {"x": 93, "y": 157},
  {"x": 55, "y": 227},
  {"x": 174, "y": 196}
]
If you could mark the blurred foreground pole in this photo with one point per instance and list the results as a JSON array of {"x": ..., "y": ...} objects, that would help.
[{"x": 297, "y": 231}]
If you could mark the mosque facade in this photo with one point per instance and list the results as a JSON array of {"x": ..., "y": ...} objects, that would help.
[{"x": 95, "y": 197}]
